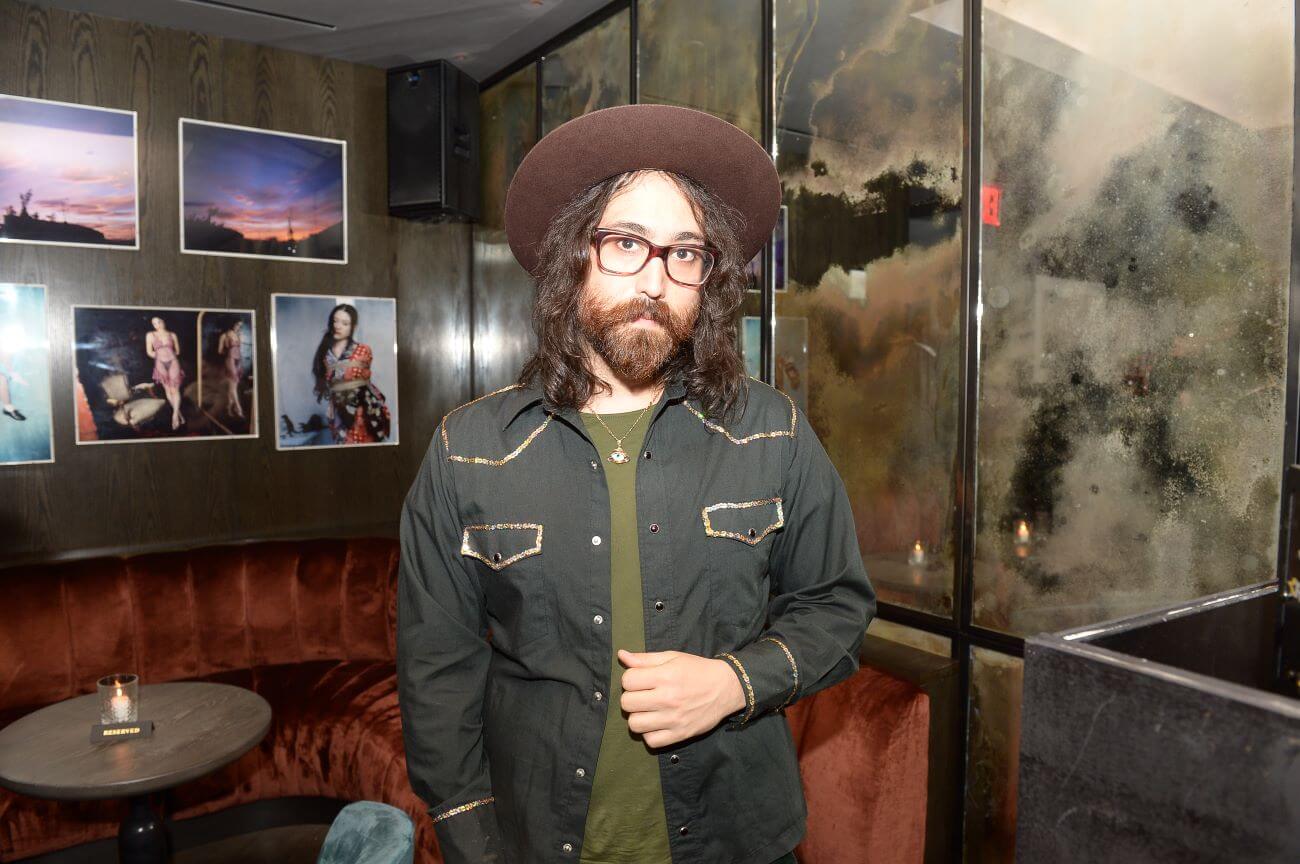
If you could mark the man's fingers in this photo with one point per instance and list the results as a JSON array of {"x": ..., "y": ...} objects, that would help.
[
  {"x": 640, "y": 679},
  {"x": 640, "y": 700},
  {"x": 648, "y": 721},
  {"x": 644, "y": 658}
]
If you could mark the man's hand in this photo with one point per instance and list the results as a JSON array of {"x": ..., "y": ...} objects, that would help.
[{"x": 671, "y": 695}]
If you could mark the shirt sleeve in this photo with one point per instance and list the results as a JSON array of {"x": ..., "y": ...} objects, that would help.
[
  {"x": 824, "y": 600},
  {"x": 442, "y": 663}
]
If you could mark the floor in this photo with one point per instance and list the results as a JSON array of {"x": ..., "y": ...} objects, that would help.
[{"x": 291, "y": 844}]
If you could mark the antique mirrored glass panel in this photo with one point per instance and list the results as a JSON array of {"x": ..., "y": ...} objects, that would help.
[{"x": 1135, "y": 250}]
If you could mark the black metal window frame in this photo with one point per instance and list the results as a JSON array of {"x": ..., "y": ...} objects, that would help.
[{"x": 960, "y": 629}]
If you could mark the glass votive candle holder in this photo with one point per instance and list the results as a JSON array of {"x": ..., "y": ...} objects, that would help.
[{"x": 119, "y": 698}]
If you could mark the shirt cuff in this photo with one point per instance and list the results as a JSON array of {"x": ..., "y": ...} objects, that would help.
[
  {"x": 468, "y": 833},
  {"x": 769, "y": 675}
]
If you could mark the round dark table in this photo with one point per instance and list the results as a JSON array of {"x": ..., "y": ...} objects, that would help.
[{"x": 198, "y": 727}]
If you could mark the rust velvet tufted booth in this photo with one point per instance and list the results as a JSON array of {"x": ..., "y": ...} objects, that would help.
[{"x": 308, "y": 624}]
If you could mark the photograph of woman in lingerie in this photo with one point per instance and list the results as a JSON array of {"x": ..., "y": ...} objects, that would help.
[
  {"x": 163, "y": 346},
  {"x": 231, "y": 347},
  {"x": 160, "y": 373}
]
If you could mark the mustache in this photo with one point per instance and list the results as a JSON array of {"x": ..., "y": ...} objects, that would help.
[{"x": 656, "y": 310}]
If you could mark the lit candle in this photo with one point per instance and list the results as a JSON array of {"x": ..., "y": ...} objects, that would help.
[
  {"x": 120, "y": 706},
  {"x": 917, "y": 556},
  {"x": 1022, "y": 538}
]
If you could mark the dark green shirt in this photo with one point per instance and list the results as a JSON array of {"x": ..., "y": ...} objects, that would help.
[
  {"x": 748, "y": 553},
  {"x": 625, "y": 820}
]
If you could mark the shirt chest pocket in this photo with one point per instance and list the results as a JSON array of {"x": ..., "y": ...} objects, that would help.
[
  {"x": 738, "y": 540},
  {"x": 511, "y": 570}
]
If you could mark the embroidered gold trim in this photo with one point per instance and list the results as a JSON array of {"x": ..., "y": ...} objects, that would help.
[
  {"x": 778, "y": 433},
  {"x": 484, "y": 460},
  {"x": 497, "y": 565},
  {"x": 733, "y": 505},
  {"x": 497, "y": 463},
  {"x": 749, "y": 688},
  {"x": 462, "y": 808},
  {"x": 794, "y": 668}
]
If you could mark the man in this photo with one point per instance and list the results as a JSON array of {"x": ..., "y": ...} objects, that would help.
[{"x": 591, "y": 666}]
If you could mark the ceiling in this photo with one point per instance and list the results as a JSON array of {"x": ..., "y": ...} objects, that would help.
[{"x": 490, "y": 34}]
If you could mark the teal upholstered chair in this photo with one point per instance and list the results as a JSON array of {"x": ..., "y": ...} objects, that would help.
[{"x": 368, "y": 832}]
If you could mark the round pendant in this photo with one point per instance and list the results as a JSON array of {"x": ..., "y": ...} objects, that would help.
[{"x": 618, "y": 455}]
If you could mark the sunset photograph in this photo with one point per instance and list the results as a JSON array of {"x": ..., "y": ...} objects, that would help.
[
  {"x": 253, "y": 193},
  {"x": 67, "y": 174}
]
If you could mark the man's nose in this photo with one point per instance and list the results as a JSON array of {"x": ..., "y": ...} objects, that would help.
[{"x": 653, "y": 281}]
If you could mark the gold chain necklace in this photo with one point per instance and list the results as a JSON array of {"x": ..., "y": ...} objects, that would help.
[{"x": 618, "y": 455}]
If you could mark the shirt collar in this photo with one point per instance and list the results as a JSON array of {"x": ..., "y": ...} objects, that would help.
[{"x": 524, "y": 397}]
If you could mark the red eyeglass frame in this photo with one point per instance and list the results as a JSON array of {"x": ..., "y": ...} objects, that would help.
[{"x": 598, "y": 235}]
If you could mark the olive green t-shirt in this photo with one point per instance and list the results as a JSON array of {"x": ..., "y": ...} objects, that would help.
[{"x": 626, "y": 823}]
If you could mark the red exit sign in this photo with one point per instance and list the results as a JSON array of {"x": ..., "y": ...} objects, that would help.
[{"x": 990, "y": 204}]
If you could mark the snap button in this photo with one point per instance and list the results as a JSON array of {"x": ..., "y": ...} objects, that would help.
[
  {"x": 682, "y": 830},
  {"x": 599, "y": 696},
  {"x": 594, "y": 466},
  {"x": 654, "y": 527},
  {"x": 595, "y": 541},
  {"x": 646, "y": 454},
  {"x": 659, "y": 605},
  {"x": 496, "y": 557},
  {"x": 674, "y": 759},
  {"x": 752, "y": 532},
  {"x": 599, "y": 619},
  {"x": 581, "y": 772},
  {"x": 567, "y": 847}
]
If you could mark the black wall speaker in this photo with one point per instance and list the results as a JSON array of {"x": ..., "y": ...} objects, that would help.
[{"x": 433, "y": 143}]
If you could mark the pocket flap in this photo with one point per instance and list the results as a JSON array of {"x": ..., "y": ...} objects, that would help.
[
  {"x": 747, "y": 521},
  {"x": 502, "y": 543}
]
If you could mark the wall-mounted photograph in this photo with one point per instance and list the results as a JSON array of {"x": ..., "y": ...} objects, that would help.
[
  {"x": 335, "y": 361},
  {"x": 253, "y": 193},
  {"x": 780, "y": 254},
  {"x": 67, "y": 174},
  {"x": 790, "y": 347},
  {"x": 26, "y": 429},
  {"x": 163, "y": 373}
]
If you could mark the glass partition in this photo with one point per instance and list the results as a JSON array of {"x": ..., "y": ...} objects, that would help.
[
  {"x": 869, "y": 150},
  {"x": 1135, "y": 254}
]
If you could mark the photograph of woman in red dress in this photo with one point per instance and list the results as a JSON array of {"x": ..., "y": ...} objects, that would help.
[
  {"x": 356, "y": 409},
  {"x": 336, "y": 385}
]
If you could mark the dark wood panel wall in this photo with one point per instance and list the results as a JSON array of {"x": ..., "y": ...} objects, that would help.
[{"x": 136, "y": 497}]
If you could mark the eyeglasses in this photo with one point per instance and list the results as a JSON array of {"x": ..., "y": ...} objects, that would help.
[{"x": 619, "y": 253}]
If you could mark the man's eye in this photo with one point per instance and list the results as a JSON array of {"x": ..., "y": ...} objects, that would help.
[
  {"x": 684, "y": 254},
  {"x": 630, "y": 244}
]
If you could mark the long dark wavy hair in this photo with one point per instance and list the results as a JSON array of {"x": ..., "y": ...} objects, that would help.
[
  {"x": 322, "y": 387},
  {"x": 710, "y": 362}
]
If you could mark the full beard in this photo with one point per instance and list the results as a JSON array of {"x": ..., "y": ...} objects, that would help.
[{"x": 635, "y": 353}]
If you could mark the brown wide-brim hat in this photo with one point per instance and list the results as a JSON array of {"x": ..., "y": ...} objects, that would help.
[{"x": 610, "y": 141}]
